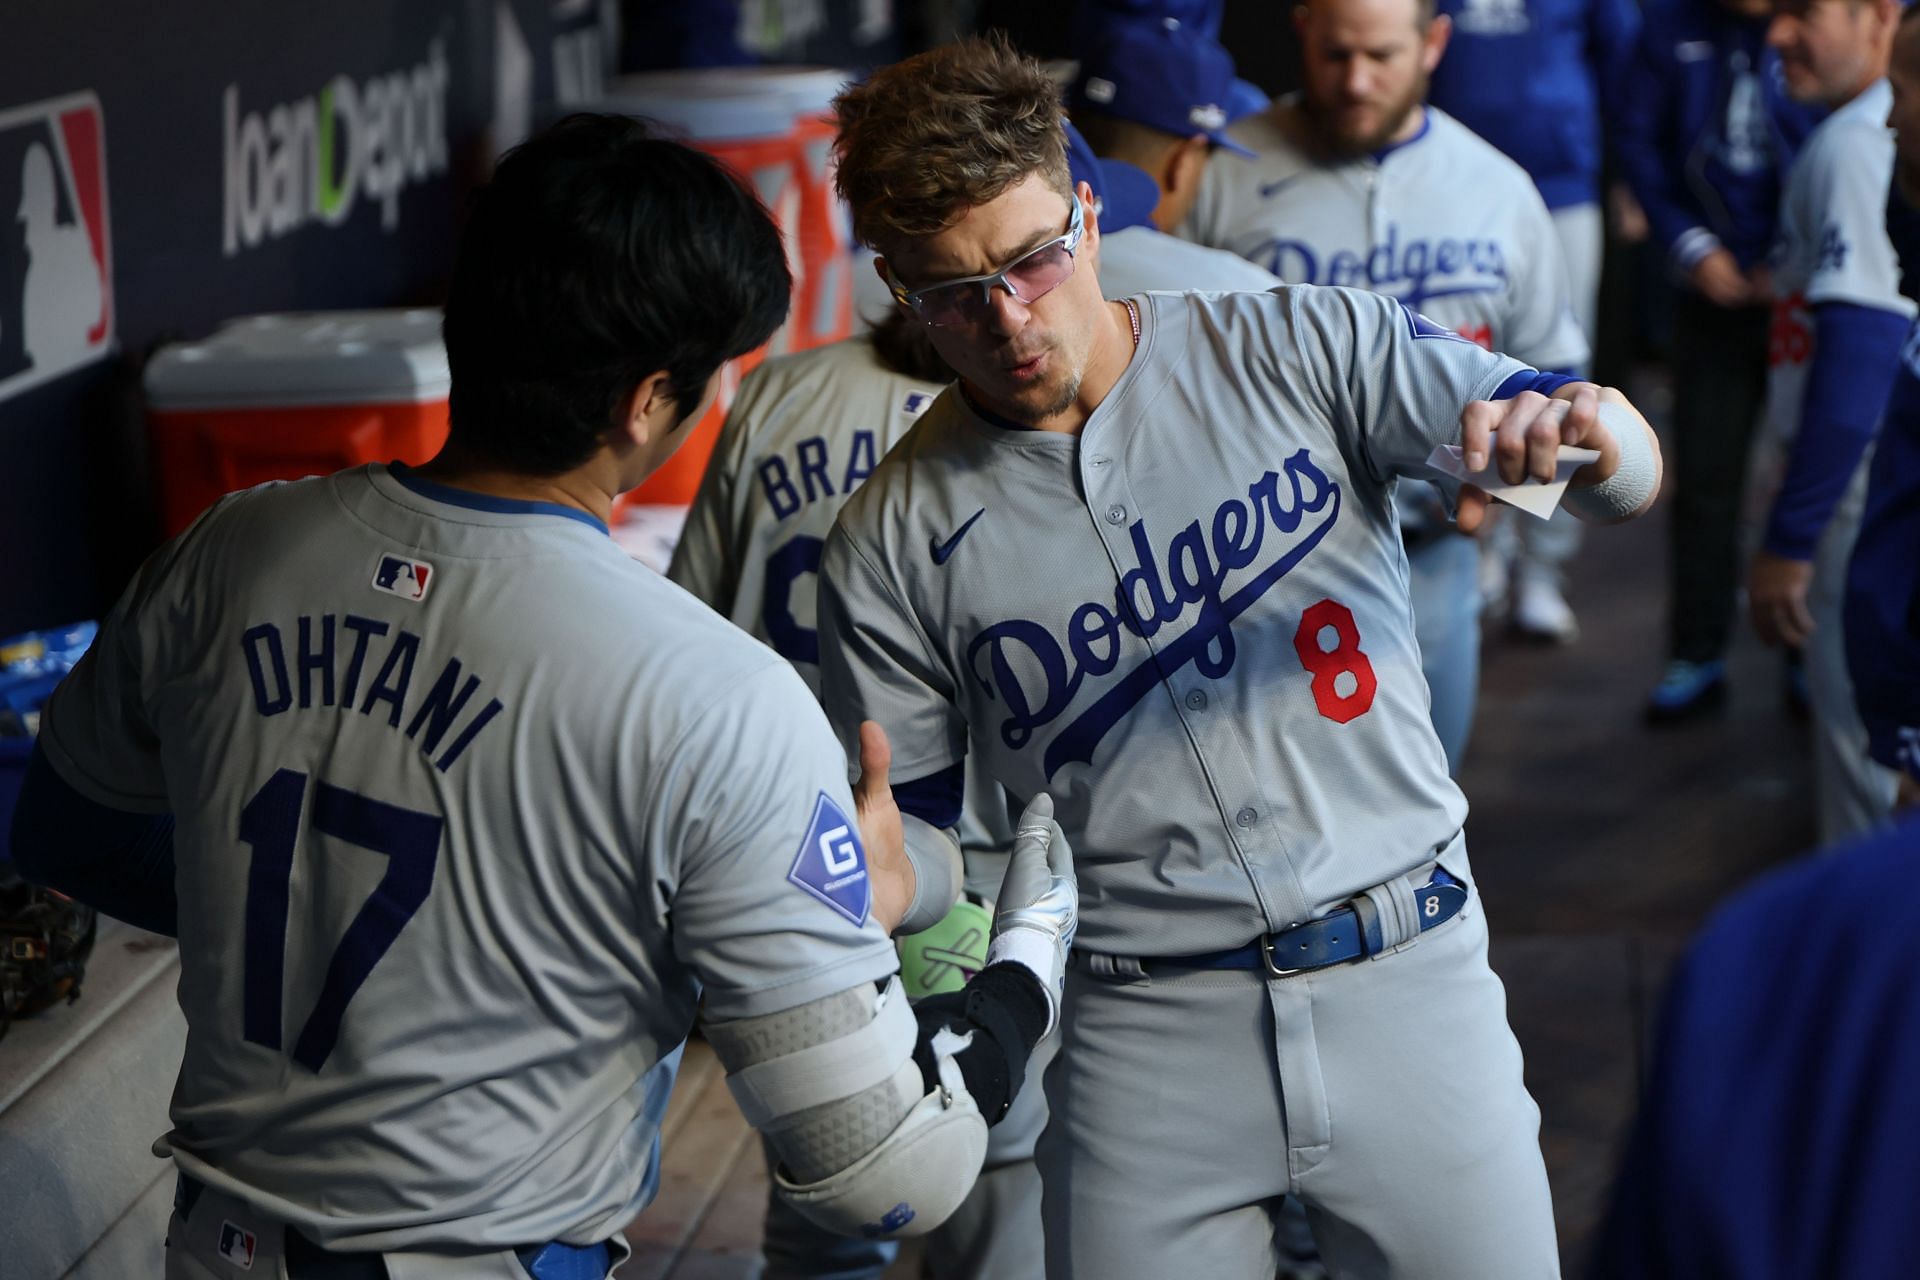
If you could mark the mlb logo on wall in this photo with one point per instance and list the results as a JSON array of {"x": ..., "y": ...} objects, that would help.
[
  {"x": 236, "y": 1246},
  {"x": 56, "y": 268},
  {"x": 397, "y": 575}
]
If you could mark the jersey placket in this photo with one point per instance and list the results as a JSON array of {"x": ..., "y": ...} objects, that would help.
[{"x": 1249, "y": 817}]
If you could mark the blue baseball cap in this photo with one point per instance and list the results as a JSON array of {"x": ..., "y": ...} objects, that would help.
[
  {"x": 1126, "y": 194},
  {"x": 1163, "y": 74}
]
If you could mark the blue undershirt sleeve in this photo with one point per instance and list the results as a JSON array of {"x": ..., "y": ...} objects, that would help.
[
  {"x": 116, "y": 862},
  {"x": 1856, "y": 353},
  {"x": 935, "y": 799}
]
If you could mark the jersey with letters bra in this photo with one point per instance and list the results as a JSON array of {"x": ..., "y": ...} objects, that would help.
[
  {"x": 1189, "y": 623},
  {"x": 1442, "y": 222},
  {"x": 1832, "y": 244},
  {"x": 802, "y": 434},
  {"x": 472, "y": 809}
]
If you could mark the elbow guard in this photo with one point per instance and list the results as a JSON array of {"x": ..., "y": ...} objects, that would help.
[{"x": 866, "y": 1149}]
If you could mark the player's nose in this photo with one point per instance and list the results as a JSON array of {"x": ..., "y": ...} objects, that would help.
[{"x": 1006, "y": 315}]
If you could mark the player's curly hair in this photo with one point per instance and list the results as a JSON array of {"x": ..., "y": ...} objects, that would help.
[{"x": 924, "y": 140}]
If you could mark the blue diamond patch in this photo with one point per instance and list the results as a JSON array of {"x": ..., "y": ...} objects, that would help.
[
  {"x": 832, "y": 865},
  {"x": 1425, "y": 328}
]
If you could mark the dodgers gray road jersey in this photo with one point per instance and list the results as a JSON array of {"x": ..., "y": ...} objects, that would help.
[
  {"x": 471, "y": 808},
  {"x": 1832, "y": 244},
  {"x": 802, "y": 434},
  {"x": 1138, "y": 259},
  {"x": 1189, "y": 623},
  {"x": 1443, "y": 222}
]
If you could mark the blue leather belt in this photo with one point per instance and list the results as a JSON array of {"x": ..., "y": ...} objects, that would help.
[
  {"x": 308, "y": 1261},
  {"x": 1333, "y": 939}
]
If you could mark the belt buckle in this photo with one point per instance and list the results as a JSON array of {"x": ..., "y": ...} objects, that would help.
[{"x": 1266, "y": 959}]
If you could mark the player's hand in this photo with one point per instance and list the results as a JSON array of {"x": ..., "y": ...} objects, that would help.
[
  {"x": 1777, "y": 599},
  {"x": 1523, "y": 437},
  {"x": 1718, "y": 278},
  {"x": 1759, "y": 284},
  {"x": 1039, "y": 905},
  {"x": 880, "y": 829}
]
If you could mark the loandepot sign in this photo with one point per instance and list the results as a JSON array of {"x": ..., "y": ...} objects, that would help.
[{"x": 314, "y": 159}]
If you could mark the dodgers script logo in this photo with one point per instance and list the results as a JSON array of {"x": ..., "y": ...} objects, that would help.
[
  {"x": 1416, "y": 271},
  {"x": 1193, "y": 570},
  {"x": 56, "y": 258}
]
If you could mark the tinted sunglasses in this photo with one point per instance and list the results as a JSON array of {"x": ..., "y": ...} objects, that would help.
[{"x": 1029, "y": 278}]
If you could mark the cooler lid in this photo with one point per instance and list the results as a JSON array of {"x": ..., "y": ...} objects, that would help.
[
  {"x": 699, "y": 106},
  {"x": 812, "y": 89},
  {"x": 295, "y": 359}
]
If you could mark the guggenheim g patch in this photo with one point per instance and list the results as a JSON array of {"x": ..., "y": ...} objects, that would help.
[{"x": 831, "y": 864}]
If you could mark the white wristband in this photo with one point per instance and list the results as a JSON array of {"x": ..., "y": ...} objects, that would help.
[
  {"x": 1628, "y": 488},
  {"x": 1036, "y": 952}
]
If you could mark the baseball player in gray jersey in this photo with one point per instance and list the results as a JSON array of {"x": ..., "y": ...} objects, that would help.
[
  {"x": 1839, "y": 320},
  {"x": 1144, "y": 558},
  {"x": 468, "y": 809},
  {"x": 803, "y": 433},
  {"x": 1148, "y": 98},
  {"x": 1357, "y": 182}
]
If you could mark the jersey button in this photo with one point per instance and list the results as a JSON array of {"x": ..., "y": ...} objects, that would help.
[
  {"x": 1116, "y": 514},
  {"x": 1247, "y": 816},
  {"x": 1197, "y": 700}
]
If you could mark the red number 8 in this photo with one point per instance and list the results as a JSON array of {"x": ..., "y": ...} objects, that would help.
[{"x": 1327, "y": 664}]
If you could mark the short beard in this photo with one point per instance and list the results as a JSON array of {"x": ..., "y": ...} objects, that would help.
[
  {"x": 1334, "y": 145},
  {"x": 1069, "y": 392}
]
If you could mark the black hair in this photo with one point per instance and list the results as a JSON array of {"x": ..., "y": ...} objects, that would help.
[
  {"x": 596, "y": 256},
  {"x": 903, "y": 345}
]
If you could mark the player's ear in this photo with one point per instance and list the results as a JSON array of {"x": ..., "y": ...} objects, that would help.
[
  {"x": 1185, "y": 164},
  {"x": 1434, "y": 42},
  {"x": 650, "y": 409}
]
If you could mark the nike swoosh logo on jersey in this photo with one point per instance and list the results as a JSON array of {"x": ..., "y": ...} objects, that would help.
[
  {"x": 943, "y": 550},
  {"x": 1268, "y": 190}
]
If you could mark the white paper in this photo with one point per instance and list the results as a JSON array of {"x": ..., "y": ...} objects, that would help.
[{"x": 1534, "y": 497}]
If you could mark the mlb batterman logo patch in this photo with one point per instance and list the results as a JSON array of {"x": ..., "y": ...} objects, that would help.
[
  {"x": 831, "y": 865},
  {"x": 399, "y": 575},
  {"x": 237, "y": 1245},
  {"x": 56, "y": 280}
]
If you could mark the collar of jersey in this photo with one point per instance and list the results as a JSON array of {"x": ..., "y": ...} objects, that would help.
[
  {"x": 1127, "y": 376},
  {"x": 987, "y": 415},
  {"x": 490, "y": 503},
  {"x": 1426, "y": 123}
]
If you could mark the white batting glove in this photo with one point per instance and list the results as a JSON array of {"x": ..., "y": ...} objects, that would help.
[{"x": 1039, "y": 904}]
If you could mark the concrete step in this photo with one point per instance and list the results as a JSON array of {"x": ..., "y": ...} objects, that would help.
[{"x": 84, "y": 1089}]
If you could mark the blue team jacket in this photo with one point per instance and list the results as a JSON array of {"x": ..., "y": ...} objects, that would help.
[
  {"x": 1531, "y": 77},
  {"x": 1694, "y": 156}
]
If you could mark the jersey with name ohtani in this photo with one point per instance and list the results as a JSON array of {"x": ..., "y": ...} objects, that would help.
[
  {"x": 472, "y": 808},
  {"x": 1189, "y": 622},
  {"x": 1442, "y": 222}
]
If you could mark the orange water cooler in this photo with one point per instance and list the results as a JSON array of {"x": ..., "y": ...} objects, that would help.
[
  {"x": 277, "y": 397},
  {"x": 766, "y": 124}
]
